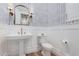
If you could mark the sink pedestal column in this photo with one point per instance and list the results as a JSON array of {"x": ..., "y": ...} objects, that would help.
[{"x": 21, "y": 47}]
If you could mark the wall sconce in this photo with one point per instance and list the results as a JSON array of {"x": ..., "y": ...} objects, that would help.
[
  {"x": 10, "y": 8},
  {"x": 30, "y": 15},
  {"x": 11, "y": 13}
]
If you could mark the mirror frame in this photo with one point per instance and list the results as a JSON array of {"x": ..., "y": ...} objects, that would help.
[{"x": 15, "y": 15}]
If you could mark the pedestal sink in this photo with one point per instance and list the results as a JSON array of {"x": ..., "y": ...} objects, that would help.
[{"x": 21, "y": 39}]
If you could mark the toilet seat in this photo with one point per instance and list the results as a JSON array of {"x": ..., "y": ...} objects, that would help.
[{"x": 47, "y": 46}]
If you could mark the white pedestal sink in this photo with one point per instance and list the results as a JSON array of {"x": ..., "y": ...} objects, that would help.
[{"x": 21, "y": 39}]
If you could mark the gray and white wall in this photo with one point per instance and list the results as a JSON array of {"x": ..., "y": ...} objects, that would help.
[
  {"x": 44, "y": 14},
  {"x": 49, "y": 19}
]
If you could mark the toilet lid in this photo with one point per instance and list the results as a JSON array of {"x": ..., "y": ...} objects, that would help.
[{"x": 47, "y": 45}]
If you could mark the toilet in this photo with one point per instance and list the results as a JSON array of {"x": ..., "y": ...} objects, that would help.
[{"x": 45, "y": 46}]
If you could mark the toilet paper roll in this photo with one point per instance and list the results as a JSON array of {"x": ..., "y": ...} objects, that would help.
[{"x": 65, "y": 41}]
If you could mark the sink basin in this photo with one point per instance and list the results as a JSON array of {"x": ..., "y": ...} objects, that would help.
[{"x": 18, "y": 37}]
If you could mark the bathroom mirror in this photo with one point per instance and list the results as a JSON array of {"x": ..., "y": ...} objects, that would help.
[{"x": 22, "y": 15}]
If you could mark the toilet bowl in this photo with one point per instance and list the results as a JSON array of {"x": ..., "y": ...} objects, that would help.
[
  {"x": 46, "y": 49},
  {"x": 47, "y": 46}
]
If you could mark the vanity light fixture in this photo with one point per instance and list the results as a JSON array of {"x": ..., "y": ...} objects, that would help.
[
  {"x": 10, "y": 8},
  {"x": 11, "y": 13}
]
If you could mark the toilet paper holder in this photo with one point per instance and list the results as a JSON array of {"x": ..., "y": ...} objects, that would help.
[{"x": 65, "y": 41}]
